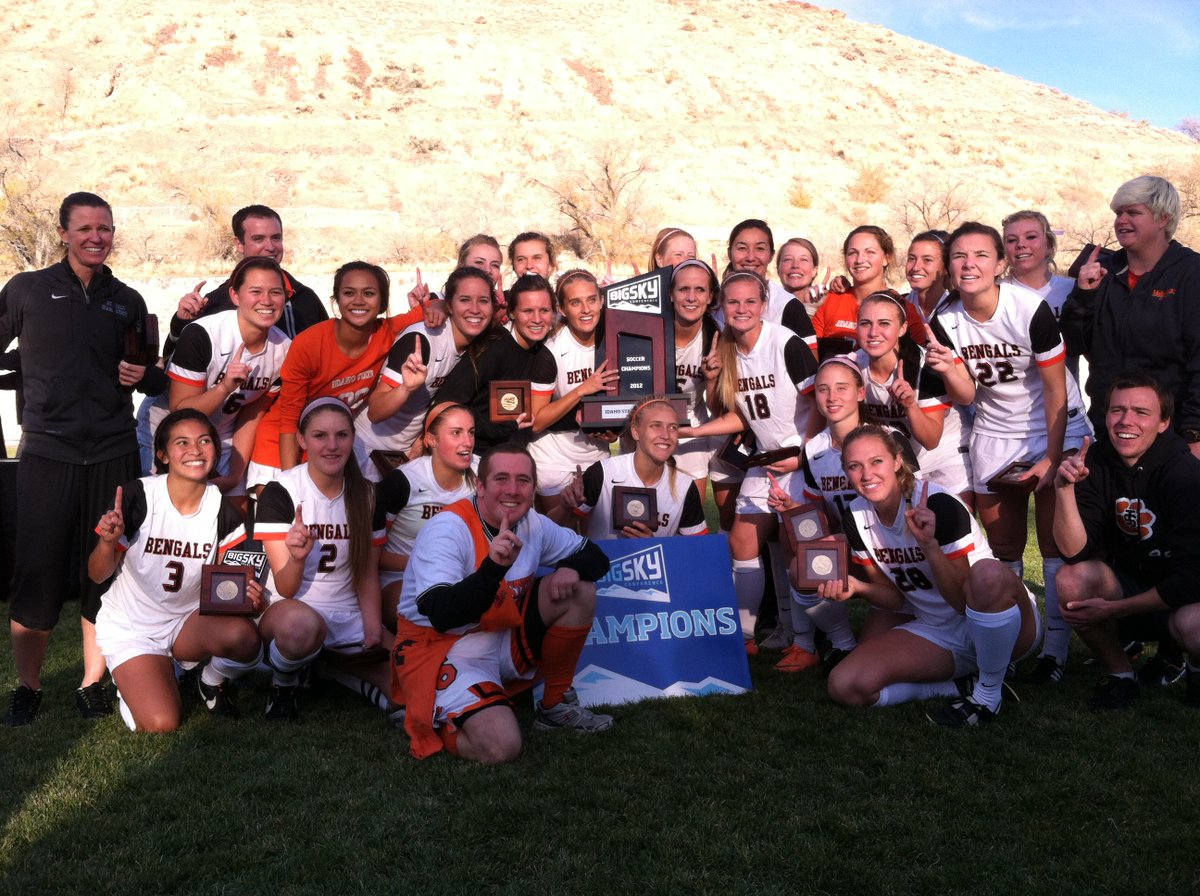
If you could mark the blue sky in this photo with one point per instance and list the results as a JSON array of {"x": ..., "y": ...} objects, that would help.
[{"x": 1141, "y": 57}]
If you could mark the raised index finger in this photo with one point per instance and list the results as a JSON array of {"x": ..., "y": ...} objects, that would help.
[
  {"x": 199, "y": 286},
  {"x": 418, "y": 277},
  {"x": 924, "y": 502},
  {"x": 299, "y": 515},
  {"x": 117, "y": 502},
  {"x": 1095, "y": 256},
  {"x": 1087, "y": 440}
]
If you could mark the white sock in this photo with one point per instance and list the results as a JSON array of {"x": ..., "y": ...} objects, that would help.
[
  {"x": 748, "y": 581},
  {"x": 126, "y": 713},
  {"x": 1017, "y": 566},
  {"x": 779, "y": 576},
  {"x": 904, "y": 691},
  {"x": 221, "y": 668},
  {"x": 994, "y": 636},
  {"x": 287, "y": 670},
  {"x": 1058, "y": 634},
  {"x": 358, "y": 685},
  {"x": 803, "y": 631},
  {"x": 833, "y": 618}
]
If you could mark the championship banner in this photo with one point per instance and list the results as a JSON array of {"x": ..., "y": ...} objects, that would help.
[{"x": 666, "y": 623}]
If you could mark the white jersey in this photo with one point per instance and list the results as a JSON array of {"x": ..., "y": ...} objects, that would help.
[
  {"x": 564, "y": 445},
  {"x": 399, "y": 431},
  {"x": 781, "y": 312},
  {"x": 162, "y": 553},
  {"x": 205, "y": 349},
  {"x": 895, "y": 552},
  {"x": 680, "y": 510},
  {"x": 689, "y": 374},
  {"x": 775, "y": 381},
  {"x": 410, "y": 497},
  {"x": 445, "y": 552},
  {"x": 823, "y": 479},
  {"x": 1054, "y": 293},
  {"x": 327, "y": 581},
  {"x": 1003, "y": 355}
]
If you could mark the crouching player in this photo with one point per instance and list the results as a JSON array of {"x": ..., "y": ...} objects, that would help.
[
  {"x": 475, "y": 620},
  {"x": 1125, "y": 518}
]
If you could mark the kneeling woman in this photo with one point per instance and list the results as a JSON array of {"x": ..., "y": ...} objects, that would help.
[
  {"x": 150, "y": 615},
  {"x": 323, "y": 538},
  {"x": 925, "y": 558}
]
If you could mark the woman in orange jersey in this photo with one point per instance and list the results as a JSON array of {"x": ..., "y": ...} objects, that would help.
[{"x": 340, "y": 358}]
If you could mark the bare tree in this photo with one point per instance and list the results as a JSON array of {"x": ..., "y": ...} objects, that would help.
[
  {"x": 1191, "y": 127},
  {"x": 940, "y": 206},
  {"x": 27, "y": 214}
]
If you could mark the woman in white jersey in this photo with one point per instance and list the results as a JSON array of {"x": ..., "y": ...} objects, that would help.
[
  {"x": 925, "y": 271},
  {"x": 227, "y": 365},
  {"x": 158, "y": 536},
  {"x": 796, "y": 265},
  {"x": 323, "y": 536},
  {"x": 765, "y": 382},
  {"x": 560, "y": 445},
  {"x": 413, "y": 493},
  {"x": 654, "y": 430},
  {"x": 998, "y": 346},
  {"x": 415, "y": 368},
  {"x": 694, "y": 289},
  {"x": 925, "y": 559}
]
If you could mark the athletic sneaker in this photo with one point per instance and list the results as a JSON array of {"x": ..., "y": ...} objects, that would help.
[
  {"x": 1158, "y": 672},
  {"x": 780, "y": 638},
  {"x": 281, "y": 704},
  {"x": 832, "y": 657},
  {"x": 961, "y": 712},
  {"x": 1114, "y": 693},
  {"x": 22, "y": 706},
  {"x": 93, "y": 701},
  {"x": 797, "y": 659},
  {"x": 217, "y": 699},
  {"x": 570, "y": 715},
  {"x": 966, "y": 687},
  {"x": 187, "y": 682},
  {"x": 1191, "y": 696},
  {"x": 751, "y": 647},
  {"x": 1047, "y": 671}
]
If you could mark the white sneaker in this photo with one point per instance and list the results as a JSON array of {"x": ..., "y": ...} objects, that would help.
[
  {"x": 779, "y": 638},
  {"x": 570, "y": 715}
]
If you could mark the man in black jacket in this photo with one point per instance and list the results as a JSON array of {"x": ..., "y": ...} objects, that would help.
[
  {"x": 73, "y": 321},
  {"x": 1126, "y": 522}
]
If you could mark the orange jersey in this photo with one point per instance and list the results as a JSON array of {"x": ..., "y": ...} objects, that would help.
[
  {"x": 314, "y": 368},
  {"x": 838, "y": 318}
]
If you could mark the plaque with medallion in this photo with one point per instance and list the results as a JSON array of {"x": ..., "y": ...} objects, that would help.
[
  {"x": 823, "y": 560},
  {"x": 224, "y": 590},
  {"x": 804, "y": 522},
  {"x": 1014, "y": 478},
  {"x": 509, "y": 399},
  {"x": 634, "y": 504}
]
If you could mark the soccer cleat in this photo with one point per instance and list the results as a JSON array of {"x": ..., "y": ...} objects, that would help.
[
  {"x": 779, "y": 639},
  {"x": 1191, "y": 696},
  {"x": 832, "y": 657},
  {"x": 1114, "y": 693},
  {"x": 281, "y": 704},
  {"x": 22, "y": 706},
  {"x": 797, "y": 659},
  {"x": 217, "y": 700},
  {"x": 960, "y": 712},
  {"x": 966, "y": 687},
  {"x": 1157, "y": 672},
  {"x": 93, "y": 701},
  {"x": 751, "y": 647},
  {"x": 570, "y": 715},
  {"x": 1047, "y": 671},
  {"x": 187, "y": 682}
]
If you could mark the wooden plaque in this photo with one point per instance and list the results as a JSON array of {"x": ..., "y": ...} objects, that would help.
[
  {"x": 804, "y": 523},
  {"x": 634, "y": 504},
  {"x": 224, "y": 592},
  {"x": 386, "y": 461},
  {"x": 766, "y": 458},
  {"x": 1010, "y": 478},
  {"x": 141, "y": 348},
  {"x": 509, "y": 400},
  {"x": 824, "y": 560},
  {"x": 738, "y": 449}
]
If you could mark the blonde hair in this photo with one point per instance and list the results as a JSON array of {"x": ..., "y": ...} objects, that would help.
[
  {"x": 727, "y": 379},
  {"x": 628, "y": 443},
  {"x": 904, "y": 475}
]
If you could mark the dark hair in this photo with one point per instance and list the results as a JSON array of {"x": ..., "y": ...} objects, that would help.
[
  {"x": 529, "y": 236},
  {"x": 381, "y": 280},
  {"x": 358, "y": 495},
  {"x": 750, "y": 224},
  {"x": 459, "y": 274},
  {"x": 252, "y": 211},
  {"x": 874, "y": 430},
  {"x": 529, "y": 282},
  {"x": 1137, "y": 379},
  {"x": 973, "y": 228},
  {"x": 510, "y": 447},
  {"x": 79, "y": 200},
  {"x": 163, "y": 435},
  {"x": 254, "y": 263},
  {"x": 881, "y": 237},
  {"x": 931, "y": 236},
  {"x": 479, "y": 239}
]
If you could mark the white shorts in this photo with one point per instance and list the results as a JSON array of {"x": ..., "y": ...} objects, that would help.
[
  {"x": 721, "y": 472},
  {"x": 257, "y": 474},
  {"x": 343, "y": 625},
  {"x": 693, "y": 456},
  {"x": 120, "y": 640},
  {"x": 557, "y": 454},
  {"x": 956, "y": 639},
  {"x": 388, "y": 576},
  {"x": 991, "y": 454},
  {"x": 954, "y": 475},
  {"x": 753, "y": 496},
  {"x": 475, "y": 659}
]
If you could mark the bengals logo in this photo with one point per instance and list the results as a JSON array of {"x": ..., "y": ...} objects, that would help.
[{"x": 1135, "y": 518}]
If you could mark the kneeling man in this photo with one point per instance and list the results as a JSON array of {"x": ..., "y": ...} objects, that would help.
[
  {"x": 475, "y": 620},
  {"x": 1127, "y": 524}
]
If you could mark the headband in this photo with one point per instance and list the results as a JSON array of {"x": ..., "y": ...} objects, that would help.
[
  {"x": 438, "y": 409},
  {"x": 325, "y": 401},
  {"x": 887, "y": 295},
  {"x": 691, "y": 262},
  {"x": 847, "y": 360}
]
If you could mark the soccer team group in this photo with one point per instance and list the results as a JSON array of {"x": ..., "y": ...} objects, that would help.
[{"x": 404, "y": 520}]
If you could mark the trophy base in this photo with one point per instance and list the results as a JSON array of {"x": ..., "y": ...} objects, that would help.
[{"x": 600, "y": 412}]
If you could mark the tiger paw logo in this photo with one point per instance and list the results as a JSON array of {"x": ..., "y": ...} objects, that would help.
[{"x": 1135, "y": 518}]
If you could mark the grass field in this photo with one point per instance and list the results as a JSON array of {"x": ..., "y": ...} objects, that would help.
[{"x": 775, "y": 791}]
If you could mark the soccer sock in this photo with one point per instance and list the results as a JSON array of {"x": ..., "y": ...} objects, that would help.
[
  {"x": 748, "y": 581},
  {"x": 994, "y": 636},
  {"x": 126, "y": 713},
  {"x": 905, "y": 691},
  {"x": 803, "y": 631},
  {"x": 221, "y": 668},
  {"x": 779, "y": 574},
  {"x": 358, "y": 685},
  {"x": 833, "y": 618},
  {"x": 561, "y": 648},
  {"x": 1017, "y": 566},
  {"x": 287, "y": 671},
  {"x": 1058, "y": 633}
]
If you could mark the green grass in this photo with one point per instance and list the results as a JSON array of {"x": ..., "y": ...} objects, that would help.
[{"x": 775, "y": 791}]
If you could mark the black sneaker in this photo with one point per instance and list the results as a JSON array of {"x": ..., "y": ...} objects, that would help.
[
  {"x": 1114, "y": 693},
  {"x": 834, "y": 656},
  {"x": 281, "y": 704},
  {"x": 22, "y": 706},
  {"x": 960, "y": 712},
  {"x": 1047, "y": 671},
  {"x": 93, "y": 701},
  {"x": 1191, "y": 696},
  {"x": 1158, "y": 672},
  {"x": 187, "y": 681},
  {"x": 966, "y": 687},
  {"x": 217, "y": 700}
]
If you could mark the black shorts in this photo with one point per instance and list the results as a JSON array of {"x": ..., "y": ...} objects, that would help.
[{"x": 1144, "y": 626}]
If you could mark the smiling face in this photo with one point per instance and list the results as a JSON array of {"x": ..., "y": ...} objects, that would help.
[
  {"x": 581, "y": 304},
  {"x": 1026, "y": 250},
  {"x": 678, "y": 248},
  {"x": 328, "y": 438},
  {"x": 1138, "y": 230},
  {"x": 471, "y": 308},
  {"x": 358, "y": 299},
  {"x": 751, "y": 251},
  {"x": 871, "y": 470},
  {"x": 485, "y": 257},
  {"x": 1134, "y": 420},
  {"x": 531, "y": 256},
  {"x": 88, "y": 237},
  {"x": 190, "y": 451},
  {"x": 507, "y": 492},
  {"x": 865, "y": 260},
  {"x": 880, "y": 327},
  {"x": 974, "y": 264},
  {"x": 261, "y": 236},
  {"x": 260, "y": 298},
  {"x": 532, "y": 316},
  {"x": 742, "y": 303},
  {"x": 656, "y": 432},
  {"x": 923, "y": 266},
  {"x": 452, "y": 439},
  {"x": 837, "y": 392},
  {"x": 691, "y": 293},
  {"x": 796, "y": 267}
]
